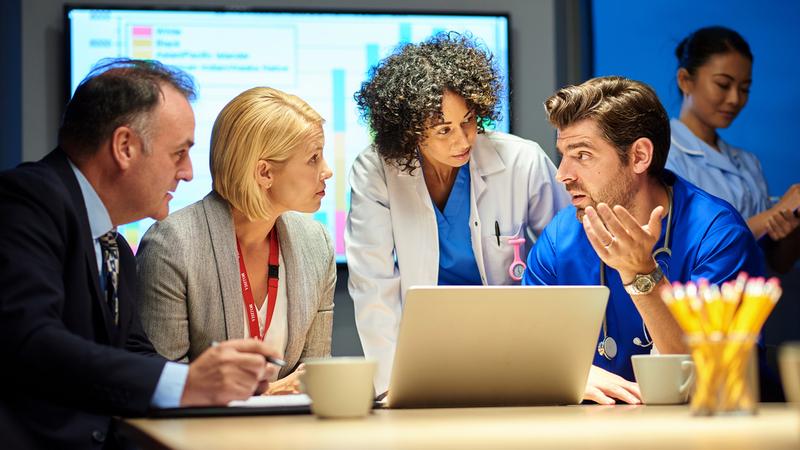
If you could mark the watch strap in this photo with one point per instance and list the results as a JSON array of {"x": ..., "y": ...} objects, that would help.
[{"x": 653, "y": 277}]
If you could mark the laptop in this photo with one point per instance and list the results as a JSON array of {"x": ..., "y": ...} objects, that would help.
[{"x": 495, "y": 345}]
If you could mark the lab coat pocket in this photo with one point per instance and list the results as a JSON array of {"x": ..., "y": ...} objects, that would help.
[{"x": 498, "y": 258}]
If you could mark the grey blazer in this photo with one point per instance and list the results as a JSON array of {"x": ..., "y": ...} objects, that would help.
[{"x": 189, "y": 289}]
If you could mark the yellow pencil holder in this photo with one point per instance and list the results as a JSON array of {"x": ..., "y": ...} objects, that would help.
[{"x": 727, "y": 375}]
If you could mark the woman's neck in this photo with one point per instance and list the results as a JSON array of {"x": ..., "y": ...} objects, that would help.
[
  {"x": 706, "y": 133},
  {"x": 251, "y": 233},
  {"x": 439, "y": 179},
  {"x": 439, "y": 175}
]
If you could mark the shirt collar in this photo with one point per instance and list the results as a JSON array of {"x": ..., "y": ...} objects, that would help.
[
  {"x": 99, "y": 220},
  {"x": 683, "y": 140}
]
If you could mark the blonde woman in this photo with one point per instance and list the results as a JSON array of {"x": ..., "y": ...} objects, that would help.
[{"x": 240, "y": 263}]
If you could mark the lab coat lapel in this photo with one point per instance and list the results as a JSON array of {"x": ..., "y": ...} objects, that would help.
[
  {"x": 484, "y": 161},
  {"x": 413, "y": 184},
  {"x": 416, "y": 228}
]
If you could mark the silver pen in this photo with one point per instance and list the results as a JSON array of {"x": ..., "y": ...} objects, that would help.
[{"x": 277, "y": 361}]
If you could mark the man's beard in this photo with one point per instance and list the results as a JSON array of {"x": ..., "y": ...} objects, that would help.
[{"x": 618, "y": 190}]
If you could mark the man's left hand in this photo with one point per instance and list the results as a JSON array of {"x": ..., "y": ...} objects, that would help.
[
  {"x": 620, "y": 241},
  {"x": 605, "y": 388}
]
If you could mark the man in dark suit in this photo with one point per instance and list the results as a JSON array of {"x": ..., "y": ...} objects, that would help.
[{"x": 73, "y": 349}]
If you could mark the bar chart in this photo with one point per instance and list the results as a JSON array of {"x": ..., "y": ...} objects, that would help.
[{"x": 321, "y": 57}]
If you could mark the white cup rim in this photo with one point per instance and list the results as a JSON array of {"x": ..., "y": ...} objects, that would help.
[
  {"x": 669, "y": 356},
  {"x": 791, "y": 349},
  {"x": 337, "y": 360}
]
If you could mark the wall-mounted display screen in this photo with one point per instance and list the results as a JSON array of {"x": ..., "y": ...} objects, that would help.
[{"x": 323, "y": 57}]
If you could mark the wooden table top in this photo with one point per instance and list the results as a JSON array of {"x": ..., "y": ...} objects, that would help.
[{"x": 776, "y": 426}]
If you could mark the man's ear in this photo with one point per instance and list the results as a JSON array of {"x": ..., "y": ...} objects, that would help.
[
  {"x": 126, "y": 145},
  {"x": 264, "y": 174},
  {"x": 641, "y": 155},
  {"x": 685, "y": 81}
]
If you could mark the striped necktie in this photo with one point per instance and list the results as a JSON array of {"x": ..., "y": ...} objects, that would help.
[{"x": 108, "y": 243}]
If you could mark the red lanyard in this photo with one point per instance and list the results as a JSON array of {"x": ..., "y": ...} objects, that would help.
[{"x": 272, "y": 287}]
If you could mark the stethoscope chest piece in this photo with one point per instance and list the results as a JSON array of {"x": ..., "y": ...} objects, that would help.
[{"x": 607, "y": 348}]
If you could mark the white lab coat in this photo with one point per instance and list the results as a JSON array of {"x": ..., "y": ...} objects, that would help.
[{"x": 392, "y": 243}]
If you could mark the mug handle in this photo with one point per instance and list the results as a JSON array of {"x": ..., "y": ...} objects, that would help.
[{"x": 687, "y": 365}]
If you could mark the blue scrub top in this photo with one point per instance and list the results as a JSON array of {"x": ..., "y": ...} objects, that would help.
[
  {"x": 457, "y": 264},
  {"x": 709, "y": 240},
  {"x": 731, "y": 174}
]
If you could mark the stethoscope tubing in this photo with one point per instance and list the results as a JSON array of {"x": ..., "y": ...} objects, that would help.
[{"x": 663, "y": 249}]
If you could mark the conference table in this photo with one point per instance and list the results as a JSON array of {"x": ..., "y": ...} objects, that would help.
[{"x": 776, "y": 426}]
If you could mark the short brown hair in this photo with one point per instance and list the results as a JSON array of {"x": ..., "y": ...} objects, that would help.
[
  {"x": 117, "y": 92},
  {"x": 624, "y": 111}
]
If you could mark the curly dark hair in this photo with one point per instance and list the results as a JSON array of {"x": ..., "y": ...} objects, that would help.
[{"x": 404, "y": 91}]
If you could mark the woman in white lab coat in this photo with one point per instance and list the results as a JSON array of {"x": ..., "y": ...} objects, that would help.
[{"x": 438, "y": 199}]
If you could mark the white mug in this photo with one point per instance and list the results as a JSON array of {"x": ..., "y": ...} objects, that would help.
[
  {"x": 339, "y": 387},
  {"x": 664, "y": 379},
  {"x": 789, "y": 364}
]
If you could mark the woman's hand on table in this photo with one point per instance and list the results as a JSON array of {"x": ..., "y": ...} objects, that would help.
[{"x": 290, "y": 384}]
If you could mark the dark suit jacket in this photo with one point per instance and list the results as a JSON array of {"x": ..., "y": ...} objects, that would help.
[{"x": 66, "y": 367}]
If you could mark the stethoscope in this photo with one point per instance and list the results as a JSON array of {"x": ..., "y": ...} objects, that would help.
[{"x": 608, "y": 346}]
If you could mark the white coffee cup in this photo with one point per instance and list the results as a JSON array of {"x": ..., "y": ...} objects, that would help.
[
  {"x": 664, "y": 379},
  {"x": 339, "y": 387},
  {"x": 789, "y": 364}
]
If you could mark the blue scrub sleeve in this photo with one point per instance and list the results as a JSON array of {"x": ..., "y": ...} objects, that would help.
[{"x": 541, "y": 269}]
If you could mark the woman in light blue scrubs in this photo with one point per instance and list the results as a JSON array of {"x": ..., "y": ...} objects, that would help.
[{"x": 714, "y": 77}]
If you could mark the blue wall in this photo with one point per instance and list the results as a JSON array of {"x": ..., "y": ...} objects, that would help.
[{"x": 637, "y": 39}]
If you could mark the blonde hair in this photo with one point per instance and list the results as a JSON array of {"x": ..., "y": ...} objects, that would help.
[{"x": 259, "y": 124}]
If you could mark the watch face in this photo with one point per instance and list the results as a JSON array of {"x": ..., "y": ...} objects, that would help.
[
  {"x": 518, "y": 270},
  {"x": 643, "y": 284}
]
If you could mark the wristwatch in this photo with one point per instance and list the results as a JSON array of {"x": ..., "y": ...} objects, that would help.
[{"x": 643, "y": 284}]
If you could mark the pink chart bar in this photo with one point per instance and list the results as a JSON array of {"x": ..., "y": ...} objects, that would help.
[
  {"x": 143, "y": 31},
  {"x": 341, "y": 217}
]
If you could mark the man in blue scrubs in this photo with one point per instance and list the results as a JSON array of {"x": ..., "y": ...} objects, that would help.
[{"x": 614, "y": 137}]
